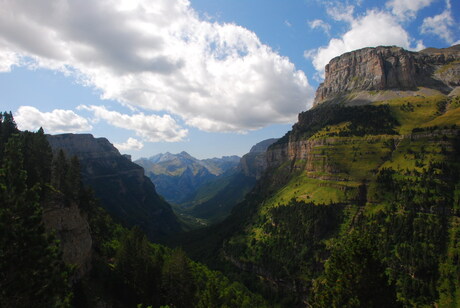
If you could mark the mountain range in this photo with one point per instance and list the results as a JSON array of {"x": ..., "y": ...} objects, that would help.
[
  {"x": 357, "y": 206},
  {"x": 205, "y": 190},
  {"x": 177, "y": 177}
]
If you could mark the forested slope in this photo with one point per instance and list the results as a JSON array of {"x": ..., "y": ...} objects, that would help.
[{"x": 47, "y": 218}]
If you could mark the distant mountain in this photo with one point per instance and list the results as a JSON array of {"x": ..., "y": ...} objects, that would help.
[
  {"x": 178, "y": 177},
  {"x": 206, "y": 189},
  {"x": 231, "y": 190},
  {"x": 121, "y": 186}
]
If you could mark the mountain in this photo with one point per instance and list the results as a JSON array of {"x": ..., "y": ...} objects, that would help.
[
  {"x": 254, "y": 163},
  {"x": 228, "y": 191},
  {"x": 360, "y": 203},
  {"x": 123, "y": 189},
  {"x": 376, "y": 74},
  {"x": 178, "y": 177}
]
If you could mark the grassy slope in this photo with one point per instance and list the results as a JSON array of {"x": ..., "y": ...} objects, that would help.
[{"x": 358, "y": 159}]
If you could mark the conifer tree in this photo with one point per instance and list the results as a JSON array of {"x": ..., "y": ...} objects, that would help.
[{"x": 31, "y": 271}]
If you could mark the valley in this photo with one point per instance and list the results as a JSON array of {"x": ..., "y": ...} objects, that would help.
[
  {"x": 356, "y": 206},
  {"x": 203, "y": 192}
]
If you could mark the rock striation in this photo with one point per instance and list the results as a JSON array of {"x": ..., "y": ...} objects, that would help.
[
  {"x": 390, "y": 68},
  {"x": 121, "y": 186},
  {"x": 353, "y": 78}
]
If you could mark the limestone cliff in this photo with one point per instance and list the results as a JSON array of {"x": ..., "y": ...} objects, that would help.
[
  {"x": 73, "y": 232},
  {"x": 121, "y": 186},
  {"x": 388, "y": 68},
  {"x": 254, "y": 163},
  {"x": 361, "y": 77}
]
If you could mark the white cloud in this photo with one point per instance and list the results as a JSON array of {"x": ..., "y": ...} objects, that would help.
[
  {"x": 152, "y": 128},
  {"x": 321, "y": 24},
  {"x": 159, "y": 56},
  {"x": 7, "y": 60},
  {"x": 341, "y": 12},
  {"x": 373, "y": 29},
  {"x": 54, "y": 122},
  {"x": 407, "y": 9},
  {"x": 130, "y": 144},
  {"x": 440, "y": 25}
]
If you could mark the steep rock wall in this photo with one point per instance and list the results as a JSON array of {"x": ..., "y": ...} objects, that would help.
[
  {"x": 254, "y": 163},
  {"x": 382, "y": 68},
  {"x": 73, "y": 232}
]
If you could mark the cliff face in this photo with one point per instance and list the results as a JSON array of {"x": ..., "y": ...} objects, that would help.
[
  {"x": 72, "y": 229},
  {"x": 254, "y": 163},
  {"x": 390, "y": 68},
  {"x": 124, "y": 191},
  {"x": 355, "y": 77}
]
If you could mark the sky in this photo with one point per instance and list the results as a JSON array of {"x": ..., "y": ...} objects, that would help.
[{"x": 210, "y": 77}]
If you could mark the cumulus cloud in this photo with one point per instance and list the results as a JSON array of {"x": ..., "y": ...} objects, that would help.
[
  {"x": 159, "y": 56},
  {"x": 407, "y": 9},
  {"x": 54, "y": 122},
  {"x": 152, "y": 128},
  {"x": 130, "y": 144},
  {"x": 320, "y": 24},
  {"x": 373, "y": 29},
  {"x": 440, "y": 25}
]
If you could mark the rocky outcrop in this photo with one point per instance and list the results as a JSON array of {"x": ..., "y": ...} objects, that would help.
[
  {"x": 254, "y": 163},
  {"x": 121, "y": 186},
  {"x": 389, "y": 68},
  {"x": 353, "y": 77},
  {"x": 73, "y": 232}
]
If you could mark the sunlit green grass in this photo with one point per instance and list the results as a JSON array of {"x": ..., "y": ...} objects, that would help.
[{"x": 414, "y": 111}]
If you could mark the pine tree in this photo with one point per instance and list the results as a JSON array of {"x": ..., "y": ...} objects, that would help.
[
  {"x": 7, "y": 128},
  {"x": 32, "y": 273},
  {"x": 177, "y": 280},
  {"x": 59, "y": 172},
  {"x": 73, "y": 179}
]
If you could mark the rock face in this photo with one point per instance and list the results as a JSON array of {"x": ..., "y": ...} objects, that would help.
[
  {"x": 390, "y": 68},
  {"x": 356, "y": 75},
  {"x": 73, "y": 231},
  {"x": 121, "y": 186},
  {"x": 254, "y": 163}
]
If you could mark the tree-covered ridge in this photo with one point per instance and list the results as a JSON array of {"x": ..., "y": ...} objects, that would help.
[{"x": 127, "y": 270}]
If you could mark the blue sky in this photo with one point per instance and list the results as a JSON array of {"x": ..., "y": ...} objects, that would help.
[{"x": 209, "y": 77}]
